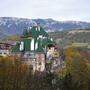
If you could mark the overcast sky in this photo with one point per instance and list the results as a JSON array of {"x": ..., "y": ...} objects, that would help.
[{"x": 78, "y": 10}]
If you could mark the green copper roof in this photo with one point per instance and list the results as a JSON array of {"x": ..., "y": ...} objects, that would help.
[
  {"x": 46, "y": 42},
  {"x": 26, "y": 33},
  {"x": 42, "y": 32},
  {"x": 39, "y": 49},
  {"x": 26, "y": 44},
  {"x": 34, "y": 33},
  {"x": 16, "y": 48}
]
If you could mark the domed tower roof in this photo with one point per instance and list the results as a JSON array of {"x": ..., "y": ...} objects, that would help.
[{"x": 37, "y": 30}]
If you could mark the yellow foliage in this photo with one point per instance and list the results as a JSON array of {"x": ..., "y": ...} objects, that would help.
[
  {"x": 56, "y": 54},
  {"x": 71, "y": 53}
]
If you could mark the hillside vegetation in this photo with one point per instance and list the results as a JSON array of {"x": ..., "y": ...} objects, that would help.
[
  {"x": 14, "y": 75},
  {"x": 68, "y": 37}
]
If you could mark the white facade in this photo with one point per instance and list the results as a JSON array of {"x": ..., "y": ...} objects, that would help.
[
  {"x": 36, "y": 45},
  {"x": 32, "y": 44},
  {"x": 22, "y": 46}
]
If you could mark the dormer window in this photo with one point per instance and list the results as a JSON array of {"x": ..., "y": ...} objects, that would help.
[
  {"x": 40, "y": 36},
  {"x": 51, "y": 39},
  {"x": 44, "y": 37},
  {"x": 36, "y": 28}
]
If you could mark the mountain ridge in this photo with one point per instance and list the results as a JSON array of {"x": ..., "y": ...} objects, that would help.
[{"x": 15, "y": 26}]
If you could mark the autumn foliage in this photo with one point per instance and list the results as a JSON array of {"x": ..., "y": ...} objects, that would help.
[{"x": 75, "y": 75}]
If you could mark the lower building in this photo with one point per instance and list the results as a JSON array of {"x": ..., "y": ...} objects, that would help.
[
  {"x": 5, "y": 49},
  {"x": 4, "y": 52}
]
